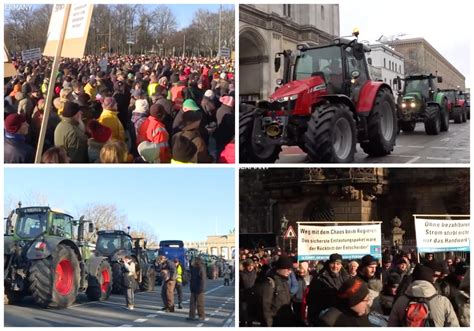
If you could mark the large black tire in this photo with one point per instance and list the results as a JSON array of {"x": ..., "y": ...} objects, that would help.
[
  {"x": 54, "y": 281},
  {"x": 331, "y": 134},
  {"x": 457, "y": 115},
  {"x": 12, "y": 297},
  {"x": 444, "y": 117},
  {"x": 468, "y": 113},
  {"x": 117, "y": 278},
  {"x": 99, "y": 282},
  {"x": 464, "y": 115},
  {"x": 433, "y": 120},
  {"x": 148, "y": 279},
  {"x": 381, "y": 125},
  {"x": 407, "y": 126},
  {"x": 248, "y": 150}
]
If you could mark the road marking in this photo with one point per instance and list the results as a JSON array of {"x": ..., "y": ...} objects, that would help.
[
  {"x": 206, "y": 319},
  {"x": 199, "y": 325},
  {"x": 140, "y": 320},
  {"x": 228, "y": 322},
  {"x": 414, "y": 146},
  {"x": 211, "y": 314},
  {"x": 438, "y": 158},
  {"x": 125, "y": 326},
  {"x": 216, "y": 311},
  {"x": 414, "y": 159},
  {"x": 214, "y": 289},
  {"x": 465, "y": 160},
  {"x": 446, "y": 139},
  {"x": 151, "y": 315},
  {"x": 451, "y": 148}
]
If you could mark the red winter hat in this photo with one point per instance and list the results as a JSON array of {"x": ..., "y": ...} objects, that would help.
[
  {"x": 13, "y": 122},
  {"x": 99, "y": 132}
]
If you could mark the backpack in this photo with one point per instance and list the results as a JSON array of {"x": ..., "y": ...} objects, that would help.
[{"x": 417, "y": 313}]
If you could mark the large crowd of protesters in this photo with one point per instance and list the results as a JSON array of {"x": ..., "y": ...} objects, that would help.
[
  {"x": 122, "y": 109},
  {"x": 278, "y": 290}
]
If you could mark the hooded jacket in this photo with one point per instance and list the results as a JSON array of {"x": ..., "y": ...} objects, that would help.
[
  {"x": 441, "y": 310},
  {"x": 69, "y": 134},
  {"x": 110, "y": 119}
]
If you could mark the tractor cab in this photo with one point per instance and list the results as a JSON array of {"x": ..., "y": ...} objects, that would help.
[
  {"x": 109, "y": 242},
  {"x": 418, "y": 89}
]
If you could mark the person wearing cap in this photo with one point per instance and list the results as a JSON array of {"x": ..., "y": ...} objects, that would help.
[
  {"x": 183, "y": 151},
  {"x": 351, "y": 306},
  {"x": 24, "y": 104},
  {"x": 99, "y": 136},
  {"x": 247, "y": 278},
  {"x": 276, "y": 296},
  {"x": 386, "y": 267},
  {"x": 197, "y": 286},
  {"x": 191, "y": 123},
  {"x": 367, "y": 273},
  {"x": 167, "y": 268},
  {"x": 441, "y": 310},
  {"x": 109, "y": 118},
  {"x": 384, "y": 302},
  {"x": 148, "y": 152},
  {"x": 91, "y": 88},
  {"x": 69, "y": 134},
  {"x": 179, "y": 281},
  {"x": 323, "y": 287},
  {"x": 16, "y": 149},
  {"x": 154, "y": 130}
]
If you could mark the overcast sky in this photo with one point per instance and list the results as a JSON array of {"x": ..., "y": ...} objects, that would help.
[{"x": 445, "y": 25}]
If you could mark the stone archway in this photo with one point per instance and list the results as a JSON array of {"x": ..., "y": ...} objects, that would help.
[{"x": 253, "y": 56}]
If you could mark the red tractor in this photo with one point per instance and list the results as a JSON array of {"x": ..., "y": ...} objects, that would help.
[
  {"x": 457, "y": 105},
  {"x": 325, "y": 105}
]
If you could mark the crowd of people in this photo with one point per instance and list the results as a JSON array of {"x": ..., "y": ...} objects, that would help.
[
  {"x": 122, "y": 109},
  {"x": 278, "y": 290}
]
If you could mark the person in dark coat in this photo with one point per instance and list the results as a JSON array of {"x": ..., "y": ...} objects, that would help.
[
  {"x": 225, "y": 116},
  {"x": 197, "y": 284},
  {"x": 276, "y": 296},
  {"x": 247, "y": 279},
  {"x": 323, "y": 288},
  {"x": 351, "y": 308},
  {"x": 16, "y": 150}
]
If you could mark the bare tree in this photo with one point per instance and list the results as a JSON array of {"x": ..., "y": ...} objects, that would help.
[{"x": 104, "y": 217}]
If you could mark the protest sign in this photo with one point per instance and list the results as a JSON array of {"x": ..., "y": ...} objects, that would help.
[
  {"x": 442, "y": 235},
  {"x": 31, "y": 54}
]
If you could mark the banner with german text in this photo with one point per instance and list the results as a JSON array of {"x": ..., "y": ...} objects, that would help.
[{"x": 441, "y": 235}]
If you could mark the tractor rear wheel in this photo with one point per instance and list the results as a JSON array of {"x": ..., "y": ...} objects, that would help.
[
  {"x": 117, "y": 278},
  {"x": 407, "y": 126},
  {"x": 148, "y": 279},
  {"x": 444, "y": 117},
  {"x": 433, "y": 120},
  {"x": 331, "y": 134},
  {"x": 250, "y": 151},
  {"x": 54, "y": 281},
  {"x": 99, "y": 284},
  {"x": 464, "y": 116},
  {"x": 457, "y": 115},
  {"x": 381, "y": 125}
]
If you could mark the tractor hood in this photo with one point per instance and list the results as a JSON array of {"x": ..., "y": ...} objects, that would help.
[
  {"x": 297, "y": 88},
  {"x": 412, "y": 96}
]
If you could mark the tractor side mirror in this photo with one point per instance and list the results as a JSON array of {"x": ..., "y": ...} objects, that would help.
[
  {"x": 91, "y": 227},
  {"x": 279, "y": 81},
  {"x": 358, "y": 51},
  {"x": 277, "y": 63},
  {"x": 440, "y": 79}
]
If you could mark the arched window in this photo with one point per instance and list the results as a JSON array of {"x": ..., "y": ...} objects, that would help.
[
  {"x": 384, "y": 64},
  {"x": 369, "y": 60}
]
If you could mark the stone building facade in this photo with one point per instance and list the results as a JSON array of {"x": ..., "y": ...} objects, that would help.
[
  {"x": 267, "y": 29},
  {"x": 220, "y": 245},
  {"x": 389, "y": 63},
  {"x": 268, "y": 198},
  {"x": 421, "y": 57}
]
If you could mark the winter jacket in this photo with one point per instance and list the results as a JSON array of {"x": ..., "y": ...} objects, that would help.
[
  {"x": 293, "y": 284},
  {"x": 110, "y": 119},
  {"x": 247, "y": 279},
  {"x": 462, "y": 301},
  {"x": 154, "y": 131},
  {"x": 441, "y": 310},
  {"x": 16, "y": 150},
  {"x": 228, "y": 154},
  {"x": 93, "y": 150},
  {"x": 276, "y": 302},
  {"x": 343, "y": 317},
  {"x": 225, "y": 126},
  {"x": 197, "y": 282},
  {"x": 192, "y": 133},
  {"x": 322, "y": 292},
  {"x": 74, "y": 140}
]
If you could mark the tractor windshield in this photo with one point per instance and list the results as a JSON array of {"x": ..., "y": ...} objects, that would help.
[
  {"x": 418, "y": 85},
  {"x": 325, "y": 60},
  {"x": 108, "y": 244},
  {"x": 31, "y": 225}
]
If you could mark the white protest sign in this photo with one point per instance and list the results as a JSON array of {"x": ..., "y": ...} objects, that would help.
[
  {"x": 224, "y": 52},
  {"x": 317, "y": 242},
  {"x": 77, "y": 30},
  {"x": 441, "y": 235},
  {"x": 31, "y": 54}
]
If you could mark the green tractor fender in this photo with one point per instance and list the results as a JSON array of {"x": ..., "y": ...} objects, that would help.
[
  {"x": 433, "y": 103},
  {"x": 43, "y": 248},
  {"x": 439, "y": 98}
]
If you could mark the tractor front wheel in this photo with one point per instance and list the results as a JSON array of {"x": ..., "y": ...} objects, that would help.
[
  {"x": 54, "y": 281},
  {"x": 444, "y": 117},
  {"x": 250, "y": 151},
  {"x": 433, "y": 120},
  {"x": 99, "y": 284},
  {"x": 464, "y": 115},
  {"x": 381, "y": 125},
  {"x": 457, "y": 115},
  {"x": 407, "y": 126},
  {"x": 331, "y": 134},
  {"x": 117, "y": 278},
  {"x": 148, "y": 279}
]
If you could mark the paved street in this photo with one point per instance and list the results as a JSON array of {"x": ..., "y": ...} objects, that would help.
[
  {"x": 413, "y": 147},
  {"x": 219, "y": 303}
]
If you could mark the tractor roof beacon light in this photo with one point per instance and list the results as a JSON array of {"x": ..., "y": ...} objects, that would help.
[{"x": 355, "y": 32}]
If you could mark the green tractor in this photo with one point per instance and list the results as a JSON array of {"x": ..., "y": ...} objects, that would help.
[
  {"x": 421, "y": 101},
  {"x": 115, "y": 245},
  {"x": 45, "y": 258}
]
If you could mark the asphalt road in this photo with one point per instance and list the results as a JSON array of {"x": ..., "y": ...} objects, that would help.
[
  {"x": 219, "y": 305},
  {"x": 413, "y": 147}
]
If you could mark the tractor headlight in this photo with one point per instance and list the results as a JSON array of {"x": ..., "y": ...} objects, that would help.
[
  {"x": 288, "y": 98},
  {"x": 413, "y": 105},
  {"x": 404, "y": 105}
]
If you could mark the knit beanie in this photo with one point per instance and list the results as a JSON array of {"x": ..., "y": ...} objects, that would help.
[
  {"x": 184, "y": 149},
  {"x": 422, "y": 272},
  {"x": 352, "y": 292},
  {"x": 13, "y": 122},
  {"x": 70, "y": 109}
]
